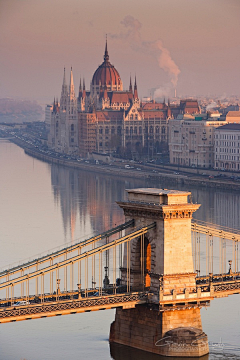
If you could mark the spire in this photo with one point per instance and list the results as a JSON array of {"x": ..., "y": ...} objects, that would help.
[
  {"x": 130, "y": 85},
  {"x": 135, "y": 95},
  {"x": 71, "y": 85},
  {"x": 80, "y": 89},
  {"x": 64, "y": 78},
  {"x": 54, "y": 105},
  {"x": 84, "y": 91},
  {"x": 169, "y": 112},
  {"x": 106, "y": 56},
  {"x": 64, "y": 85},
  {"x": 64, "y": 93}
]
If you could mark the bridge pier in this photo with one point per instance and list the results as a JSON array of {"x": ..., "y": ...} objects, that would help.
[
  {"x": 162, "y": 264},
  {"x": 170, "y": 333}
]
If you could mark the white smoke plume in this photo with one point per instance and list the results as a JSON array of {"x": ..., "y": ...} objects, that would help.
[
  {"x": 156, "y": 49},
  {"x": 211, "y": 106}
]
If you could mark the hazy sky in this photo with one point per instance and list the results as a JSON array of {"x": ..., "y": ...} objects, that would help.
[{"x": 191, "y": 44}]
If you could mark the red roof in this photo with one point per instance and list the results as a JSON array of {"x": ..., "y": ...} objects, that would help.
[
  {"x": 106, "y": 74},
  {"x": 120, "y": 97},
  {"x": 154, "y": 106}
]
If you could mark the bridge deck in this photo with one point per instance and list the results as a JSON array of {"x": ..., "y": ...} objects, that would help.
[{"x": 73, "y": 306}]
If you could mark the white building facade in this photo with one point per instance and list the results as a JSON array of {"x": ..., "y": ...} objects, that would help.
[
  {"x": 191, "y": 142},
  {"x": 227, "y": 147}
]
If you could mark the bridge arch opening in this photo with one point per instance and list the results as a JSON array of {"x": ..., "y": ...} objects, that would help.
[{"x": 141, "y": 264}]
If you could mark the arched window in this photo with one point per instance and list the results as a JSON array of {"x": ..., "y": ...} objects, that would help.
[
  {"x": 72, "y": 127},
  {"x": 142, "y": 262}
]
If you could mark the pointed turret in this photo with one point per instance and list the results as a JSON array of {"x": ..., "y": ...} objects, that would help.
[
  {"x": 130, "y": 85},
  {"x": 135, "y": 95},
  {"x": 80, "y": 89},
  {"x": 84, "y": 90},
  {"x": 106, "y": 56},
  {"x": 64, "y": 93},
  {"x": 169, "y": 112},
  {"x": 64, "y": 77},
  {"x": 71, "y": 85},
  {"x": 64, "y": 85},
  {"x": 54, "y": 105}
]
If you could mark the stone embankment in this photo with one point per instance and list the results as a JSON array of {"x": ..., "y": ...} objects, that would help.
[{"x": 172, "y": 179}]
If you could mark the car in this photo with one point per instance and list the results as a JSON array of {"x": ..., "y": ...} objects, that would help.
[{"x": 20, "y": 303}]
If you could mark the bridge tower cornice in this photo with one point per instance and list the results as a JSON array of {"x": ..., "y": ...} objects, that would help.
[{"x": 150, "y": 211}]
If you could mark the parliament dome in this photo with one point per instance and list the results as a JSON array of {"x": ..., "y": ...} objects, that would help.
[{"x": 106, "y": 75}]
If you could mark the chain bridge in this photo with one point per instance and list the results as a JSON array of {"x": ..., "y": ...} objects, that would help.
[{"x": 159, "y": 267}]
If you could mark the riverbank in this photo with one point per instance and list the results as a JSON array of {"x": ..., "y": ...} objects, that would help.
[{"x": 120, "y": 171}]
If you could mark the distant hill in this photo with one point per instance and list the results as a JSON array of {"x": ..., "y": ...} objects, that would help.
[{"x": 12, "y": 110}]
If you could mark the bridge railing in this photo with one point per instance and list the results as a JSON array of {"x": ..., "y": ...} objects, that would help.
[
  {"x": 215, "y": 248},
  {"x": 54, "y": 255},
  {"x": 82, "y": 271}
]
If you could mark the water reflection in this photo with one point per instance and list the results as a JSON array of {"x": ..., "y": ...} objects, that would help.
[
  {"x": 91, "y": 197},
  {"x": 88, "y": 196},
  {"x": 33, "y": 209},
  {"x": 121, "y": 352}
]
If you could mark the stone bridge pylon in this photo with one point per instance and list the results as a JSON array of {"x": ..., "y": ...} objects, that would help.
[{"x": 162, "y": 261}]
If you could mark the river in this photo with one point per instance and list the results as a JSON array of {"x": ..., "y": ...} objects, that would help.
[{"x": 45, "y": 206}]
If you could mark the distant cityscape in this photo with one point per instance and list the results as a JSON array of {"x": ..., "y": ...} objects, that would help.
[
  {"x": 109, "y": 120},
  {"x": 201, "y": 132}
]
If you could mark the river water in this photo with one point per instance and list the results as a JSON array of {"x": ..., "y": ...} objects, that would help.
[{"x": 45, "y": 206}]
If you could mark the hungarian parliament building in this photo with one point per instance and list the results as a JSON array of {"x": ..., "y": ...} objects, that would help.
[{"x": 108, "y": 119}]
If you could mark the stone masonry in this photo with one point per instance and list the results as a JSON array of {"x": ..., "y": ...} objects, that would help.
[{"x": 168, "y": 270}]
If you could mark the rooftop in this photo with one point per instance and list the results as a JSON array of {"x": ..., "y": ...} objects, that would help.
[
  {"x": 232, "y": 126},
  {"x": 154, "y": 191},
  {"x": 158, "y": 196}
]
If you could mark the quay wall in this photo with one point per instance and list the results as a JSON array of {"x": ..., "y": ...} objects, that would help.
[{"x": 172, "y": 179}]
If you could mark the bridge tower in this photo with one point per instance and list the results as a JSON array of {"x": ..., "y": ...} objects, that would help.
[{"x": 171, "y": 324}]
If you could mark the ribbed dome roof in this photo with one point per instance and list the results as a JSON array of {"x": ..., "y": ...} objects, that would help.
[{"x": 106, "y": 74}]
